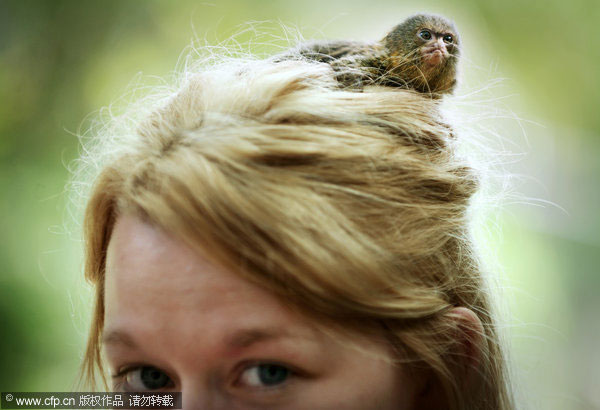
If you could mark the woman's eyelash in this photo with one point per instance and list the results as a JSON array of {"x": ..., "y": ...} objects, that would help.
[
  {"x": 118, "y": 379},
  {"x": 266, "y": 375},
  {"x": 121, "y": 373},
  {"x": 270, "y": 374},
  {"x": 141, "y": 377},
  {"x": 117, "y": 382}
]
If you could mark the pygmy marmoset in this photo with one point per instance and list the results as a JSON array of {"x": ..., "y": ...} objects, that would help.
[{"x": 421, "y": 53}]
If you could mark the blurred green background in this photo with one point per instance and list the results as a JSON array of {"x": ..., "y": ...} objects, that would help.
[{"x": 62, "y": 60}]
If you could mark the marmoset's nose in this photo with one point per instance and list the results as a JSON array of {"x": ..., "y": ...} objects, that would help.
[{"x": 439, "y": 43}]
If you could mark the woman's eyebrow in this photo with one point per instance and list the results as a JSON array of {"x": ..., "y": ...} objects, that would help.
[
  {"x": 244, "y": 338},
  {"x": 117, "y": 336},
  {"x": 239, "y": 339}
]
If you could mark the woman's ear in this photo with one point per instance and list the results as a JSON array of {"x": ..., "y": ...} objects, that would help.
[
  {"x": 469, "y": 344},
  {"x": 467, "y": 354}
]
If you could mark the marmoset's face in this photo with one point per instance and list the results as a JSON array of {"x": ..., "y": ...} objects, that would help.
[{"x": 174, "y": 322}]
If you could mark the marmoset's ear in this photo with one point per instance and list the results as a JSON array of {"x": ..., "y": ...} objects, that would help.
[{"x": 466, "y": 357}]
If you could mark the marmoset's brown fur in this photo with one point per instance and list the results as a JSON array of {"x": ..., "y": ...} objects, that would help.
[{"x": 421, "y": 53}]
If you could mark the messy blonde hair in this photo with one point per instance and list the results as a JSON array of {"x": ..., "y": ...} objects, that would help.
[{"x": 351, "y": 205}]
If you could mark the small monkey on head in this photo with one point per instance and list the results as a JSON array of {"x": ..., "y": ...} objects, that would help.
[{"x": 421, "y": 53}]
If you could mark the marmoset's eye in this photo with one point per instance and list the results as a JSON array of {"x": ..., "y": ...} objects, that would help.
[
  {"x": 448, "y": 39},
  {"x": 425, "y": 34}
]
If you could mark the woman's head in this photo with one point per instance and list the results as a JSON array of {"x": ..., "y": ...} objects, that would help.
[
  {"x": 347, "y": 208},
  {"x": 175, "y": 321}
]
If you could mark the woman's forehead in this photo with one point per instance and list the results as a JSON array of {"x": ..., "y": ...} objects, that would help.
[{"x": 154, "y": 278}]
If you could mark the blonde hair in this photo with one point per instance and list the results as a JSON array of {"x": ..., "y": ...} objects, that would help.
[{"x": 351, "y": 205}]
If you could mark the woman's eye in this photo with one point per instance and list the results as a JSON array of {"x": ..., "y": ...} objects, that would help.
[
  {"x": 425, "y": 34},
  {"x": 448, "y": 38},
  {"x": 265, "y": 375},
  {"x": 146, "y": 378}
]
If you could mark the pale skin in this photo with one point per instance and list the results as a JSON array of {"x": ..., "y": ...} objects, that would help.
[{"x": 174, "y": 321}]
